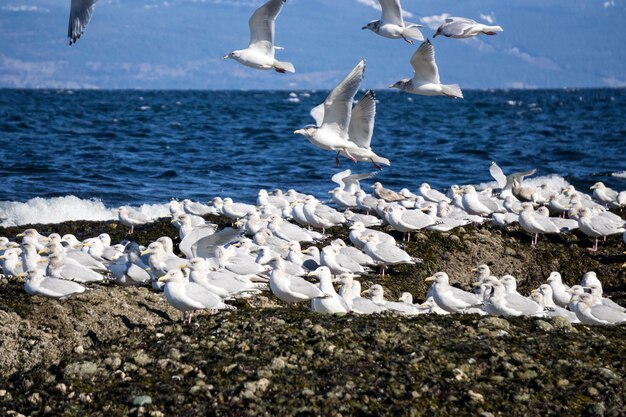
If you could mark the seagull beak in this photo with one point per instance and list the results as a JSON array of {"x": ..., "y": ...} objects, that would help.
[
  {"x": 20, "y": 235},
  {"x": 226, "y": 56},
  {"x": 162, "y": 279},
  {"x": 182, "y": 266},
  {"x": 364, "y": 27},
  {"x": 429, "y": 279},
  {"x": 299, "y": 132},
  {"x": 145, "y": 252},
  {"x": 474, "y": 269},
  {"x": 42, "y": 251},
  {"x": 391, "y": 85},
  {"x": 42, "y": 261}
]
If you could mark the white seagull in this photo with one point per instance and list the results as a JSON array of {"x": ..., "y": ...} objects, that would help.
[
  {"x": 260, "y": 52},
  {"x": 461, "y": 28},
  {"x": 333, "y": 133},
  {"x": 425, "y": 81},
  {"x": 392, "y": 25},
  {"x": 360, "y": 129}
]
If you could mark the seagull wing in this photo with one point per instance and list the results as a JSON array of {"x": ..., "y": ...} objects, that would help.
[
  {"x": 261, "y": 25},
  {"x": 460, "y": 19},
  {"x": 80, "y": 14},
  {"x": 301, "y": 286},
  {"x": 609, "y": 314},
  {"x": 197, "y": 233},
  {"x": 201, "y": 295},
  {"x": 423, "y": 62},
  {"x": 338, "y": 104},
  {"x": 352, "y": 184},
  {"x": 362, "y": 121},
  {"x": 59, "y": 288},
  {"x": 339, "y": 177},
  {"x": 392, "y": 12},
  {"x": 497, "y": 174},
  {"x": 317, "y": 113},
  {"x": 456, "y": 27},
  {"x": 205, "y": 247}
]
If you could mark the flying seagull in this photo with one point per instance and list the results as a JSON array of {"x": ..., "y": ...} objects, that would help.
[
  {"x": 462, "y": 28},
  {"x": 425, "y": 81},
  {"x": 391, "y": 25},
  {"x": 260, "y": 52}
]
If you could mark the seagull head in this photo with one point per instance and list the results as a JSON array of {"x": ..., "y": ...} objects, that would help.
[
  {"x": 402, "y": 84},
  {"x": 374, "y": 25},
  {"x": 308, "y": 131},
  {"x": 233, "y": 54}
]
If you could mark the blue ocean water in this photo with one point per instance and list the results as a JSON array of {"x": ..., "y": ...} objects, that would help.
[{"x": 135, "y": 147}]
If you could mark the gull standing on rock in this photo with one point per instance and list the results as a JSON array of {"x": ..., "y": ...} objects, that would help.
[
  {"x": 386, "y": 254},
  {"x": 188, "y": 296},
  {"x": 535, "y": 223},
  {"x": 333, "y": 303},
  {"x": 449, "y": 298},
  {"x": 392, "y": 25},
  {"x": 560, "y": 292},
  {"x": 462, "y": 28},
  {"x": 260, "y": 52},
  {"x": 131, "y": 218},
  {"x": 598, "y": 226},
  {"x": 588, "y": 312},
  {"x": 38, "y": 284},
  {"x": 292, "y": 289},
  {"x": 425, "y": 81}
]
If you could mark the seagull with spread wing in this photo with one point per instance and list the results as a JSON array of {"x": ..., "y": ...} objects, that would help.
[
  {"x": 425, "y": 81},
  {"x": 343, "y": 129},
  {"x": 462, "y": 28},
  {"x": 392, "y": 25},
  {"x": 260, "y": 52},
  {"x": 80, "y": 14}
]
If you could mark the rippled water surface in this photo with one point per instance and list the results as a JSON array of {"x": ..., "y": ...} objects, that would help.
[{"x": 134, "y": 147}]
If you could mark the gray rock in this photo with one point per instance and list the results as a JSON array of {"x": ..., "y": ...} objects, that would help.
[{"x": 141, "y": 400}]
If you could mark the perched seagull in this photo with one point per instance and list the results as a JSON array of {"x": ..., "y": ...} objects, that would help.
[
  {"x": 425, "y": 81},
  {"x": 80, "y": 14},
  {"x": 333, "y": 133},
  {"x": 260, "y": 52},
  {"x": 535, "y": 223},
  {"x": 132, "y": 218},
  {"x": 604, "y": 194},
  {"x": 360, "y": 129},
  {"x": 392, "y": 25},
  {"x": 462, "y": 28},
  {"x": 189, "y": 296},
  {"x": 38, "y": 284}
]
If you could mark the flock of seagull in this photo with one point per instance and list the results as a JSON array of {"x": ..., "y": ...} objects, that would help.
[
  {"x": 263, "y": 250},
  {"x": 339, "y": 127}
]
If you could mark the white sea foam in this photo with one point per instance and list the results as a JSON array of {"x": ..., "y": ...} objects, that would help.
[
  {"x": 61, "y": 209},
  {"x": 621, "y": 174}
]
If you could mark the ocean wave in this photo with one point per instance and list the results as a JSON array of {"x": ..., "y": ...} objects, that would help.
[
  {"x": 61, "y": 209},
  {"x": 621, "y": 174},
  {"x": 554, "y": 183}
]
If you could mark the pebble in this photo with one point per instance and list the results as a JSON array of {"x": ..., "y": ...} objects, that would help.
[{"x": 141, "y": 400}]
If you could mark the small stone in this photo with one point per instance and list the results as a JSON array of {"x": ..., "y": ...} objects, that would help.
[
  {"x": 307, "y": 392},
  {"x": 317, "y": 329},
  {"x": 3, "y": 392},
  {"x": 277, "y": 364},
  {"x": 309, "y": 353},
  {"x": 494, "y": 323},
  {"x": 497, "y": 379},
  {"x": 455, "y": 239},
  {"x": 542, "y": 325},
  {"x": 142, "y": 359},
  {"x": 81, "y": 370},
  {"x": 563, "y": 324},
  {"x": 156, "y": 413},
  {"x": 562, "y": 383},
  {"x": 527, "y": 374},
  {"x": 141, "y": 400},
  {"x": 592, "y": 391},
  {"x": 34, "y": 398},
  {"x": 61, "y": 387},
  {"x": 476, "y": 397},
  {"x": 79, "y": 350}
]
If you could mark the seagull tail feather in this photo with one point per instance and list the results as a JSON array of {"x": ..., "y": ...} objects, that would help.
[
  {"x": 413, "y": 32},
  {"x": 452, "y": 90},
  {"x": 284, "y": 66}
]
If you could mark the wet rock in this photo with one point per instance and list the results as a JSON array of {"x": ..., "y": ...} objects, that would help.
[
  {"x": 81, "y": 370},
  {"x": 542, "y": 325}
]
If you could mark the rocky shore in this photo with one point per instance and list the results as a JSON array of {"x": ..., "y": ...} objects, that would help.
[{"x": 118, "y": 351}]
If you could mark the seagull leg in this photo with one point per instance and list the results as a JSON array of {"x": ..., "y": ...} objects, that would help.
[
  {"x": 407, "y": 40},
  {"x": 348, "y": 155},
  {"x": 376, "y": 165}
]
